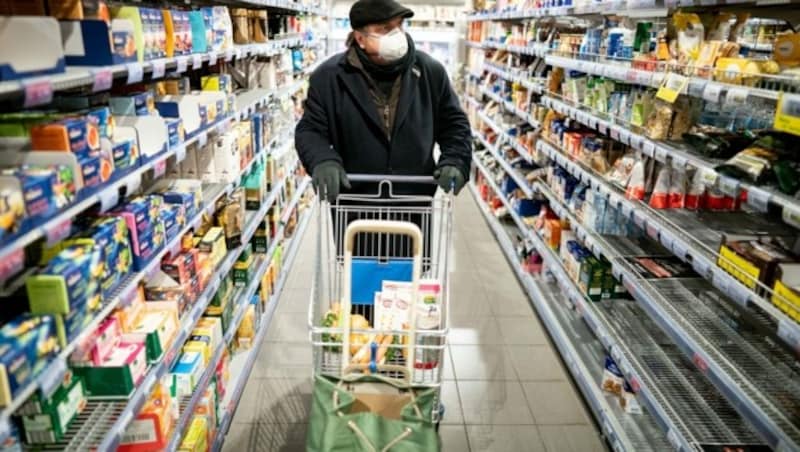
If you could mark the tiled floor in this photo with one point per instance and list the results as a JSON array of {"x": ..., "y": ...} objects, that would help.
[{"x": 505, "y": 389}]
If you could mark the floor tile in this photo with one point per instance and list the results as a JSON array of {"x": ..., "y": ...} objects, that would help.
[
  {"x": 246, "y": 411},
  {"x": 554, "y": 403},
  {"x": 474, "y": 330},
  {"x": 452, "y": 403},
  {"x": 522, "y": 331},
  {"x": 278, "y": 438},
  {"x": 238, "y": 438},
  {"x": 289, "y": 327},
  {"x": 283, "y": 360},
  {"x": 453, "y": 438},
  {"x": 571, "y": 438},
  {"x": 494, "y": 402},
  {"x": 504, "y": 438},
  {"x": 283, "y": 401},
  {"x": 294, "y": 300},
  {"x": 449, "y": 368},
  {"x": 537, "y": 362},
  {"x": 482, "y": 362}
]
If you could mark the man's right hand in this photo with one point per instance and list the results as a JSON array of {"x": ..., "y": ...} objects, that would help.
[{"x": 328, "y": 177}]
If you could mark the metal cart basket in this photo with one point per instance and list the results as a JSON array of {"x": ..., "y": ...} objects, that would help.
[{"x": 379, "y": 303}]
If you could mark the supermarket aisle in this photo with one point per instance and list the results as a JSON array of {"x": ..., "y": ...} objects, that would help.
[{"x": 505, "y": 388}]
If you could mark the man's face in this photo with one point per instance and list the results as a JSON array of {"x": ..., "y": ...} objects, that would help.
[{"x": 368, "y": 38}]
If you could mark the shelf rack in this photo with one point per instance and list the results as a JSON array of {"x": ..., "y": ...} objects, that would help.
[
  {"x": 516, "y": 175},
  {"x": 736, "y": 362}
]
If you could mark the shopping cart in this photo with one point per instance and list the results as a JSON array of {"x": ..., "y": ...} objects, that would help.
[{"x": 378, "y": 318}]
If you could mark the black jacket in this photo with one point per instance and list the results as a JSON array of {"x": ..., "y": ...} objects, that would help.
[{"x": 342, "y": 123}]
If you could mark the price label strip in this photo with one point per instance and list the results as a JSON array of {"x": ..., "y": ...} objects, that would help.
[
  {"x": 37, "y": 93},
  {"x": 159, "y": 68},
  {"x": 103, "y": 79},
  {"x": 135, "y": 72},
  {"x": 758, "y": 199}
]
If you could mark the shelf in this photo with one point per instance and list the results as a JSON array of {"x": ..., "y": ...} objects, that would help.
[
  {"x": 745, "y": 366},
  {"x": 633, "y": 8},
  {"x": 685, "y": 245},
  {"x": 289, "y": 5},
  {"x": 242, "y": 365},
  {"x": 538, "y": 50},
  {"x": 696, "y": 86},
  {"x": 623, "y": 431},
  {"x": 85, "y": 77},
  {"x": 523, "y": 80},
  {"x": 510, "y": 170},
  {"x": 510, "y": 107},
  {"x": 57, "y": 227},
  {"x": 104, "y": 422},
  {"x": 703, "y": 417},
  {"x": 509, "y": 139}
]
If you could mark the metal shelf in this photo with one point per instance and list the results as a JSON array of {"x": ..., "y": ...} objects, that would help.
[
  {"x": 510, "y": 107},
  {"x": 518, "y": 178},
  {"x": 624, "y": 432},
  {"x": 247, "y": 360},
  {"x": 538, "y": 50},
  {"x": 523, "y": 80},
  {"x": 85, "y": 77},
  {"x": 509, "y": 139},
  {"x": 84, "y": 433},
  {"x": 746, "y": 367},
  {"x": 686, "y": 245}
]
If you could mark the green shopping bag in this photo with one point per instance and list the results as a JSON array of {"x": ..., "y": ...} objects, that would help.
[{"x": 370, "y": 414}]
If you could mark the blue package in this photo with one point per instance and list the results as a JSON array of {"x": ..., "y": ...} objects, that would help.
[
  {"x": 174, "y": 131},
  {"x": 368, "y": 276},
  {"x": 125, "y": 154}
]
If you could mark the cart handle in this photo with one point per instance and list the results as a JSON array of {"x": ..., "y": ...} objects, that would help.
[{"x": 392, "y": 178}]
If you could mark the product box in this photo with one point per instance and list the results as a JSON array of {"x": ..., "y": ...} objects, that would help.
[
  {"x": 211, "y": 327},
  {"x": 243, "y": 271},
  {"x": 180, "y": 268},
  {"x": 175, "y": 131},
  {"x": 150, "y": 430},
  {"x": 186, "y": 373},
  {"x": 198, "y": 29},
  {"x": 133, "y": 39},
  {"x": 786, "y": 294},
  {"x": 42, "y": 53},
  {"x": 217, "y": 82},
  {"x": 138, "y": 104},
  {"x": 199, "y": 344},
  {"x": 160, "y": 287},
  {"x": 77, "y": 135},
  {"x": 213, "y": 244},
  {"x": 109, "y": 334},
  {"x": 185, "y": 107},
  {"x": 151, "y": 134},
  {"x": 119, "y": 374},
  {"x": 127, "y": 315},
  {"x": 185, "y": 200},
  {"x": 69, "y": 326},
  {"x": 27, "y": 344},
  {"x": 592, "y": 274},
  {"x": 196, "y": 438},
  {"x": 752, "y": 261},
  {"x": 70, "y": 279},
  {"x": 157, "y": 327},
  {"x": 125, "y": 154},
  {"x": 110, "y": 236},
  {"x": 45, "y": 421}
]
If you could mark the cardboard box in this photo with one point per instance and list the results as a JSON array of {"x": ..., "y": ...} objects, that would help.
[
  {"x": 45, "y": 421},
  {"x": 119, "y": 374}
]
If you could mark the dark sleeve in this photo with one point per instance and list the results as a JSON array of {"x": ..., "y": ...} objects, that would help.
[
  {"x": 312, "y": 134},
  {"x": 453, "y": 133}
]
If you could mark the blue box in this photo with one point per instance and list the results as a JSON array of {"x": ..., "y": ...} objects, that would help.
[
  {"x": 174, "y": 130},
  {"x": 184, "y": 199},
  {"x": 169, "y": 215},
  {"x": 26, "y": 348},
  {"x": 125, "y": 154},
  {"x": 91, "y": 169},
  {"x": 148, "y": 245}
]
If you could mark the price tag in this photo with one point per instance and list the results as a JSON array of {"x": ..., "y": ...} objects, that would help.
[
  {"x": 592, "y": 122},
  {"x": 652, "y": 231},
  {"x": 103, "y": 79},
  {"x": 787, "y": 113},
  {"x": 729, "y": 186},
  {"x": 56, "y": 232},
  {"x": 661, "y": 154},
  {"x": 667, "y": 239},
  {"x": 679, "y": 162},
  {"x": 627, "y": 210},
  {"x": 709, "y": 177},
  {"x": 702, "y": 267},
  {"x": 700, "y": 362},
  {"x": 135, "y": 72},
  {"x": 614, "y": 200},
  {"x": 711, "y": 92},
  {"x": 624, "y": 136},
  {"x": 614, "y": 133},
  {"x": 648, "y": 148},
  {"x": 52, "y": 377},
  {"x": 602, "y": 127},
  {"x": 109, "y": 198},
  {"x": 789, "y": 331},
  {"x": 791, "y": 215},
  {"x": 229, "y": 53},
  {"x": 644, "y": 78},
  {"x": 197, "y": 61},
  {"x": 159, "y": 68},
  {"x": 132, "y": 183},
  {"x": 202, "y": 139},
  {"x": 736, "y": 96},
  {"x": 12, "y": 263},
  {"x": 696, "y": 87},
  {"x": 38, "y": 93},
  {"x": 238, "y": 52},
  {"x": 636, "y": 141},
  {"x": 160, "y": 168},
  {"x": 212, "y": 58},
  {"x": 180, "y": 153},
  {"x": 672, "y": 86},
  {"x": 182, "y": 64},
  {"x": 657, "y": 78},
  {"x": 679, "y": 249},
  {"x": 639, "y": 219},
  {"x": 758, "y": 199}
]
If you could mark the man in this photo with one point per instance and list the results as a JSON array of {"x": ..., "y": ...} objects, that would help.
[{"x": 379, "y": 108}]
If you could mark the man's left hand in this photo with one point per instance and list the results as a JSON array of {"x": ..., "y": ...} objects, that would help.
[{"x": 450, "y": 177}]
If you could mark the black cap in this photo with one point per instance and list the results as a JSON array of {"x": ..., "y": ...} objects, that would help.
[{"x": 366, "y": 12}]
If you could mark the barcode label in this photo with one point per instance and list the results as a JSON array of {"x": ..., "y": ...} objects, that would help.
[{"x": 140, "y": 431}]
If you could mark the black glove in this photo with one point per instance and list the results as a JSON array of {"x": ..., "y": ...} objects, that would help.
[
  {"x": 328, "y": 177},
  {"x": 449, "y": 177}
]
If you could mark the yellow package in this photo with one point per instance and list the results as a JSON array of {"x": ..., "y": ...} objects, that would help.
[
  {"x": 738, "y": 71},
  {"x": 786, "y": 49},
  {"x": 247, "y": 329},
  {"x": 690, "y": 33},
  {"x": 196, "y": 438},
  {"x": 201, "y": 346}
]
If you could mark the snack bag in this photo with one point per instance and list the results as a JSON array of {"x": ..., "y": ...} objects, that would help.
[
  {"x": 613, "y": 379},
  {"x": 660, "y": 197}
]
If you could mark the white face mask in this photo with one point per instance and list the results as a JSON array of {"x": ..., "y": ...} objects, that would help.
[{"x": 393, "y": 45}]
